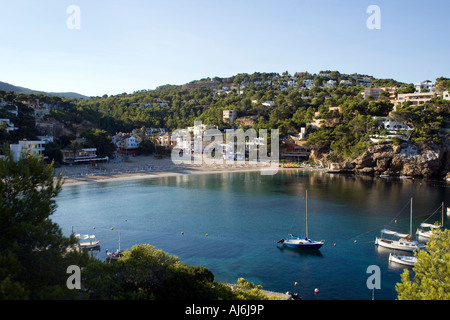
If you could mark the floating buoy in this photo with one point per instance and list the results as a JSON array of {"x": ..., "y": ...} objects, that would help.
[
  {"x": 112, "y": 228},
  {"x": 182, "y": 232},
  {"x": 335, "y": 244},
  {"x": 206, "y": 235},
  {"x": 356, "y": 241},
  {"x": 316, "y": 291},
  {"x": 395, "y": 221},
  {"x": 296, "y": 283}
]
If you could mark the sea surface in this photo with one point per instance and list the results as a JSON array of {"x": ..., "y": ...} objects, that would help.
[{"x": 230, "y": 223}]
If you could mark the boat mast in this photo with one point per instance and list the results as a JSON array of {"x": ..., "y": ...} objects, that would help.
[
  {"x": 306, "y": 213},
  {"x": 410, "y": 221}
]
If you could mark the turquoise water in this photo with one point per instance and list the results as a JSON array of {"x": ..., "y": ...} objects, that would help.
[{"x": 230, "y": 223}]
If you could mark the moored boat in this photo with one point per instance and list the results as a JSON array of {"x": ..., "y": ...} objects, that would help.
[
  {"x": 427, "y": 229},
  {"x": 300, "y": 242},
  {"x": 90, "y": 241},
  {"x": 405, "y": 260},
  {"x": 405, "y": 241},
  {"x": 114, "y": 256}
]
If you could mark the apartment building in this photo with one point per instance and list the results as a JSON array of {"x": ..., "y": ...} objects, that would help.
[
  {"x": 229, "y": 115},
  {"x": 416, "y": 99}
]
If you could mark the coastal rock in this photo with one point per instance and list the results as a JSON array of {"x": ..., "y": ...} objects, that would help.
[{"x": 406, "y": 159}]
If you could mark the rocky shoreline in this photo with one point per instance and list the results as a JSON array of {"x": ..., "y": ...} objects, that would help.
[{"x": 406, "y": 159}]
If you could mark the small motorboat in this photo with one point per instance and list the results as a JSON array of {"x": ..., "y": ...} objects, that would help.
[{"x": 405, "y": 260}]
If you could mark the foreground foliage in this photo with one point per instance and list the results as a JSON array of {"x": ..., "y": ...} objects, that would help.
[
  {"x": 147, "y": 273},
  {"x": 34, "y": 255},
  {"x": 33, "y": 251},
  {"x": 431, "y": 279}
]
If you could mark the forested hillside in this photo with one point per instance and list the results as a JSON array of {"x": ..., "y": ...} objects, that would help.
[{"x": 296, "y": 100}]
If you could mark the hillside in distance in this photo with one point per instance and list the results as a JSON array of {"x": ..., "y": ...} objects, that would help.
[{"x": 9, "y": 87}]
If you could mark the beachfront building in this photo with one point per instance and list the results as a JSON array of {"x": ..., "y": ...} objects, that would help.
[
  {"x": 127, "y": 143},
  {"x": 81, "y": 156},
  {"x": 163, "y": 139},
  {"x": 446, "y": 95},
  {"x": 294, "y": 149},
  {"x": 25, "y": 147}
]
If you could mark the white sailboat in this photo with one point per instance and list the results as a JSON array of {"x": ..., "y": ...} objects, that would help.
[
  {"x": 426, "y": 229},
  {"x": 404, "y": 243},
  {"x": 300, "y": 242}
]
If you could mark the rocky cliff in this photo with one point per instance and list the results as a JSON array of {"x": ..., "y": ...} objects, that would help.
[{"x": 431, "y": 161}]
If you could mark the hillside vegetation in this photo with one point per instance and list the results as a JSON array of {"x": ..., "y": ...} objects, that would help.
[{"x": 296, "y": 101}]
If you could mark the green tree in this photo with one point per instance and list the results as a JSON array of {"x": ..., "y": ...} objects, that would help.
[
  {"x": 53, "y": 152},
  {"x": 99, "y": 139},
  {"x": 148, "y": 273},
  {"x": 431, "y": 279},
  {"x": 33, "y": 251}
]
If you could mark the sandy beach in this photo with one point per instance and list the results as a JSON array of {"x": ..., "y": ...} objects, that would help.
[{"x": 143, "y": 167}]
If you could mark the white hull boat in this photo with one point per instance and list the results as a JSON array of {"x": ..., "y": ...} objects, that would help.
[
  {"x": 90, "y": 243},
  {"x": 404, "y": 243},
  {"x": 426, "y": 229},
  {"x": 405, "y": 260}
]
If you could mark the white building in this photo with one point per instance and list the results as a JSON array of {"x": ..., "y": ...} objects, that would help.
[
  {"x": 446, "y": 95},
  {"x": 13, "y": 109},
  {"x": 329, "y": 83},
  {"x": 25, "y": 147},
  {"x": 345, "y": 82},
  {"x": 199, "y": 129},
  {"x": 126, "y": 143},
  {"x": 308, "y": 83},
  {"x": 9, "y": 125},
  {"x": 425, "y": 86}
]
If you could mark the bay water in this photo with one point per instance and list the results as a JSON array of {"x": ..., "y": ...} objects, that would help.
[{"x": 230, "y": 223}]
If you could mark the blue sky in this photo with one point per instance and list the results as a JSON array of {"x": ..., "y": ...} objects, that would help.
[{"x": 124, "y": 46}]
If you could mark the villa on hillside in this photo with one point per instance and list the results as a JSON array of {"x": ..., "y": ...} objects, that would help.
[
  {"x": 395, "y": 129},
  {"x": 416, "y": 99},
  {"x": 9, "y": 125},
  {"x": 376, "y": 93}
]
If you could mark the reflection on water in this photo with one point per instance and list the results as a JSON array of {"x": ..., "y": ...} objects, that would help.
[{"x": 230, "y": 223}]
